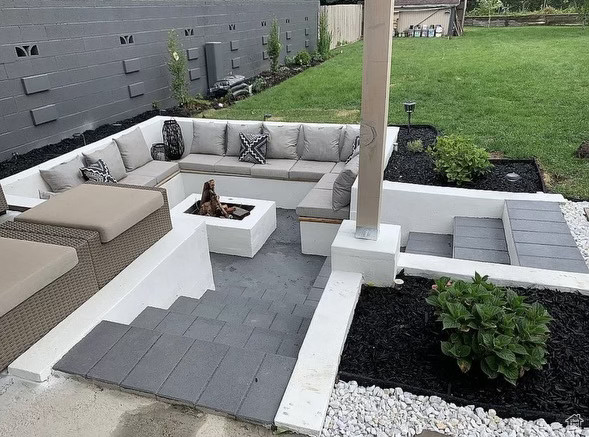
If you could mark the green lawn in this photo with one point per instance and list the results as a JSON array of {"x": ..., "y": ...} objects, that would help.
[{"x": 522, "y": 91}]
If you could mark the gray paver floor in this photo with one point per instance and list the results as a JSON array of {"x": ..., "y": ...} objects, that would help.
[{"x": 233, "y": 350}]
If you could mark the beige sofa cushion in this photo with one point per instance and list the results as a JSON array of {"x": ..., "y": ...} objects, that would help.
[
  {"x": 317, "y": 204},
  {"x": 64, "y": 176},
  {"x": 111, "y": 157},
  {"x": 310, "y": 170},
  {"x": 274, "y": 168},
  {"x": 160, "y": 170},
  {"x": 107, "y": 209},
  {"x": 199, "y": 162},
  {"x": 138, "y": 179},
  {"x": 27, "y": 267},
  {"x": 134, "y": 149}
]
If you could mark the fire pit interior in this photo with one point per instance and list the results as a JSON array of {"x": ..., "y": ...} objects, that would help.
[{"x": 210, "y": 205}]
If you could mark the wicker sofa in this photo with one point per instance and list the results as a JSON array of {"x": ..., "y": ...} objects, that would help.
[
  {"x": 3, "y": 204},
  {"x": 27, "y": 314}
]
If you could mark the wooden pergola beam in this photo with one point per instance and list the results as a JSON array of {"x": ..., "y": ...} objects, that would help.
[{"x": 378, "y": 33}]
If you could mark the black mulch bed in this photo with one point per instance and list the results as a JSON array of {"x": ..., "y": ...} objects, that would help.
[
  {"x": 418, "y": 168},
  {"x": 394, "y": 341}
]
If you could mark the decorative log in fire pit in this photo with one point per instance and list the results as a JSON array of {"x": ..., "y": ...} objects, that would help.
[{"x": 210, "y": 205}]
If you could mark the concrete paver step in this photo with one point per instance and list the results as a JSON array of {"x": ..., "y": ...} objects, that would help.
[{"x": 480, "y": 239}]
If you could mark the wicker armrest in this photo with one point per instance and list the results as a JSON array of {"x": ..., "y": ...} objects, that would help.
[{"x": 3, "y": 203}]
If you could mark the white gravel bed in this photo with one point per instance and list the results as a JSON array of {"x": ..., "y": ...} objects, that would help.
[
  {"x": 356, "y": 411},
  {"x": 575, "y": 218}
]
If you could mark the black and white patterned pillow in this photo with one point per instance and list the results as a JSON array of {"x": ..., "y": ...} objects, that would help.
[
  {"x": 98, "y": 172},
  {"x": 355, "y": 149},
  {"x": 253, "y": 148}
]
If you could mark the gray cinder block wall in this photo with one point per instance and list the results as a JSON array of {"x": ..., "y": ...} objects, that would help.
[{"x": 71, "y": 65}]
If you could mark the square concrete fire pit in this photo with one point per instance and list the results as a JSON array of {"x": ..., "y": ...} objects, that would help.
[{"x": 235, "y": 237}]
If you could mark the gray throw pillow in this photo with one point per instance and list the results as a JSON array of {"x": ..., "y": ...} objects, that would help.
[
  {"x": 133, "y": 149},
  {"x": 111, "y": 157},
  {"x": 64, "y": 176},
  {"x": 321, "y": 143},
  {"x": 342, "y": 187},
  {"x": 208, "y": 137},
  {"x": 350, "y": 134},
  {"x": 282, "y": 140},
  {"x": 234, "y": 128}
]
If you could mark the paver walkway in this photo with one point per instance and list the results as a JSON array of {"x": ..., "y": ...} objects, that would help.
[{"x": 232, "y": 350}]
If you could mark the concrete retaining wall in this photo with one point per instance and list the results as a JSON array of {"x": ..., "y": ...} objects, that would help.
[{"x": 71, "y": 65}]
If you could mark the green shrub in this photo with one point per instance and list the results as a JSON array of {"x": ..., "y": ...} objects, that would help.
[
  {"x": 491, "y": 326},
  {"x": 274, "y": 45},
  {"x": 259, "y": 85},
  {"x": 316, "y": 57},
  {"x": 289, "y": 61},
  {"x": 459, "y": 159},
  {"x": 303, "y": 58},
  {"x": 324, "y": 41},
  {"x": 415, "y": 146},
  {"x": 178, "y": 67}
]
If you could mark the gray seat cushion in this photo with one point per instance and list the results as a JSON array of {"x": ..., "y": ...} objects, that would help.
[
  {"x": 321, "y": 142},
  {"x": 351, "y": 132},
  {"x": 160, "y": 170},
  {"x": 274, "y": 168},
  {"x": 326, "y": 182},
  {"x": 140, "y": 180},
  {"x": 317, "y": 204},
  {"x": 134, "y": 149},
  {"x": 339, "y": 166},
  {"x": 231, "y": 164},
  {"x": 233, "y": 130},
  {"x": 208, "y": 137},
  {"x": 27, "y": 267},
  {"x": 199, "y": 162},
  {"x": 310, "y": 170},
  {"x": 111, "y": 157},
  {"x": 64, "y": 176},
  {"x": 282, "y": 140},
  {"x": 342, "y": 187}
]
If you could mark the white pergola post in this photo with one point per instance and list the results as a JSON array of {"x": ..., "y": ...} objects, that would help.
[{"x": 378, "y": 32}]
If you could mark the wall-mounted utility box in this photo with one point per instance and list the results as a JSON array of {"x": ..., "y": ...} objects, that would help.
[
  {"x": 214, "y": 58},
  {"x": 132, "y": 65},
  {"x": 36, "y": 84},
  {"x": 136, "y": 89},
  {"x": 44, "y": 114}
]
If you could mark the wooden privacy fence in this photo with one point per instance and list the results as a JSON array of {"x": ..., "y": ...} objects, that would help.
[
  {"x": 345, "y": 23},
  {"x": 524, "y": 20}
]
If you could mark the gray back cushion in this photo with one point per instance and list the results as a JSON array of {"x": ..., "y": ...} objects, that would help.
[
  {"x": 282, "y": 140},
  {"x": 64, "y": 176},
  {"x": 133, "y": 149},
  {"x": 342, "y": 187},
  {"x": 350, "y": 134},
  {"x": 111, "y": 157},
  {"x": 321, "y": 143},
  {"x": 208, "y": 137},
  {"x": 233, "y": 130}
]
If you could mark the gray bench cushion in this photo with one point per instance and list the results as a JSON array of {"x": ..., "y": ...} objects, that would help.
[
  {"x": 137, "y": 179},
  {"x": 134, "y": 150},
  {"x": 282, "y": 140},
  {"x": 310, "y": 170},
  {"x": 339, "y": 166},
  {"x": 321, "y": 143},
  {"x": 317, "y": 204},
  {"x": 27, "y": 267},
  {"x": 326, "y": 182},
  {"x": 160, "y": 170},
  {"x": 111, "y": 157},
  {"x": 274, "y": 168},
  {"x": 233, "y": 130},
  {"x": 231, "y": 164},
  {"x": 208, "y": 137},
  {"x": 64, "y": 176},
  {"x": 199, "y": 162},
  {"x": 350, "y": 133}
]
